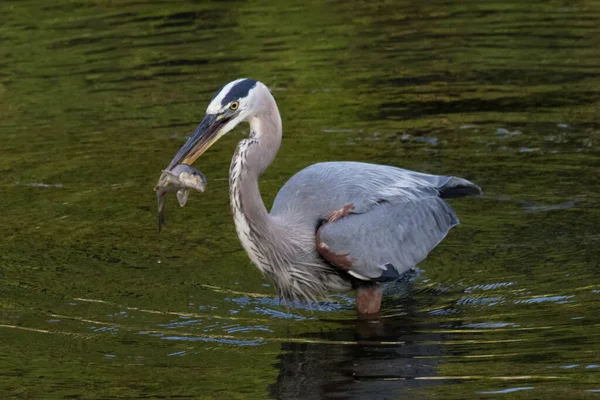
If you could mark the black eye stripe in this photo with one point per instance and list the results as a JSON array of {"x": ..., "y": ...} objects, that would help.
[{"x": 238, "y": 91}]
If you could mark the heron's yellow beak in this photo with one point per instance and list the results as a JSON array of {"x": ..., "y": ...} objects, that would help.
[{"x": 206, "y": 134}]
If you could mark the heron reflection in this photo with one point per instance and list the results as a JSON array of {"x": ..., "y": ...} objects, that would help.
[{"x": 381, "y": 358}]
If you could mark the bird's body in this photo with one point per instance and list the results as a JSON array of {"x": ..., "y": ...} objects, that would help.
[{"x": 333, "y": 226}]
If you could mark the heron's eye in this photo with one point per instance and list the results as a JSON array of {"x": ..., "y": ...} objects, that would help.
[{"x": 234, "y": 106}]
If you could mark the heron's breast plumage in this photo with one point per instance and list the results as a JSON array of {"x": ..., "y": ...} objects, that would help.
[
  {"x": 248, "y": 237},
  {"x": 282, "y": 248}
]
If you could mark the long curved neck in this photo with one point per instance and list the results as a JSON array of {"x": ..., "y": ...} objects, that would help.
[
  {"x": 265, "y": 130},
  {"x": 276, "y": 246},
  {"x": 252, "y": 157}
]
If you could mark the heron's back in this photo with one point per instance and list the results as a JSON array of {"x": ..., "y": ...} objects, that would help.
[{"x": 318, "y": 190}]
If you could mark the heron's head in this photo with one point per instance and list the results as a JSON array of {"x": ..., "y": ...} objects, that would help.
[{"x": 233, "y": 103}]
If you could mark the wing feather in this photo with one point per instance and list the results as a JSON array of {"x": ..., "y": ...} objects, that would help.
[{"x": 389, "y": 239}]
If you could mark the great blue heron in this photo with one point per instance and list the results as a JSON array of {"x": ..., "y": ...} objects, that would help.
[{"x": 334, "y": 226}]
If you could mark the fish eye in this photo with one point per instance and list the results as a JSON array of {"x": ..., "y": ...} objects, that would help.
[{"x": 234, "y": 106}]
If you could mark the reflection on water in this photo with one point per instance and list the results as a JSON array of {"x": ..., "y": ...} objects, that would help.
[
  {"x": 387, "y": 358},
  {"x": 96, "y": 97}
]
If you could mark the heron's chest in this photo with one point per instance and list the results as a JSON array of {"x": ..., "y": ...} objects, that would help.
[
  {"x": 249, "y": 238},
  {"x": 247, "y": 231},
  {"x": 249, "y": 214}
]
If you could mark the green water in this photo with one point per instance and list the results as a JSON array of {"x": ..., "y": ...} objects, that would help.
[{"x": 97, "y": 96}]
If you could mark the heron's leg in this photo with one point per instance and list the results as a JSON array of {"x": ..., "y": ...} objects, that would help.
[
  {"x": 359, "y": 207},
  {"x": 338, "y": 260},
  {"x": 368, "y": 298},
  {"x": 341, "y": 261},
  {"x": 341, "y": 213}
]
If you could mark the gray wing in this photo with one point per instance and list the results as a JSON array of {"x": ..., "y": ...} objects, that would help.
[
  {"x": 398, "y": 215},
  {"x": 387, "y": 240},
  {"x": 320, "y": 189}
]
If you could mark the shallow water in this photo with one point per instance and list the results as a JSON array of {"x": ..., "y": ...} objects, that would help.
[{"x": 96, "y": 97}]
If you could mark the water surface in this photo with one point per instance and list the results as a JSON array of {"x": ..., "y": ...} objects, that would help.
[{"x": 96, "y": 97}]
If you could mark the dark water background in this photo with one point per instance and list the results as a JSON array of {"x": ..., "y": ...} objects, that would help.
[{"x": 97, "y": 96}]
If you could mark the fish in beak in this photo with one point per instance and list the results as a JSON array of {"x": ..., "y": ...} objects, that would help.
[
  {"x": 181, "y": 178},
  {"x": 206, "y": 134}
]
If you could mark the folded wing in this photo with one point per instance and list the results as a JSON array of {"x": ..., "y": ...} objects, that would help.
[{"x": 387, "y": 240}]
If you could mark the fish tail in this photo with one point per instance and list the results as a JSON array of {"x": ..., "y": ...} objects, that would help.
[{"x": 161, "y": 221}]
